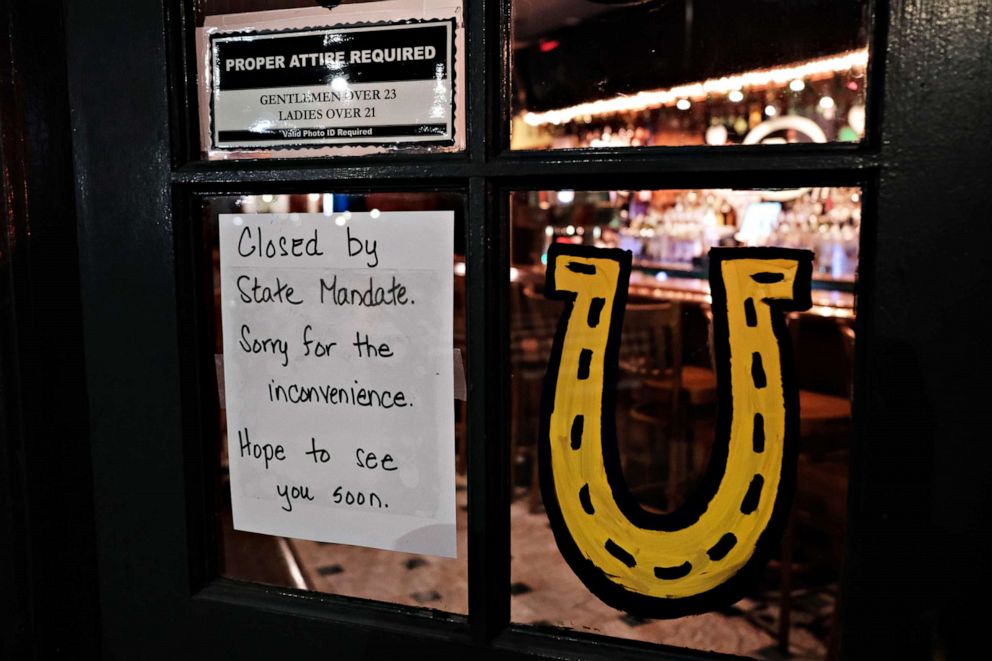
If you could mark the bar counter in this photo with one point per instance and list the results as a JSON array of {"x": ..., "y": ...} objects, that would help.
[{"x": 643, "y": 284}]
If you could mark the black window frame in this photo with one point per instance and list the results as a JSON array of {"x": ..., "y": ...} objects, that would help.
[{"x": 138, "y": 215}]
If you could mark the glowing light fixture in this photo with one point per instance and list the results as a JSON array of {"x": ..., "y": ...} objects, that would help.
[{"x": 758, "y": 79}]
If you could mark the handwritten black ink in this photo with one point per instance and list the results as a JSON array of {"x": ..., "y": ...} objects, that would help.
[
  {"x": 342, "y": 496},
  {"x": 354, "y": 395},
  {"x": 272, "y": 345},
  {"x": 264, "y": 451},
  {"x": 291, "y": 493},
  {"x": 256, "y": 292},
  {"x": 252, "y": 243},
  {"x": 369, "y": 460},
  {"x": 357, "y": 246},
  {"x": 319, "y": 455},
  {"x": 373, "y": 296},
  {"x": 313, "y": 347},
  {"x": 367, "y": 349}
]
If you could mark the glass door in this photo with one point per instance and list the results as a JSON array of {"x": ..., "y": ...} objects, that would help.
[{"x": 663, "y": 128}]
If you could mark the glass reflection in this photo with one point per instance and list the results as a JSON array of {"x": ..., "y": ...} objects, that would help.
[
  {"x": 666, "y": 399},
  {"x": 403, "y": 578},
  {"x": 687, "y": 72}
]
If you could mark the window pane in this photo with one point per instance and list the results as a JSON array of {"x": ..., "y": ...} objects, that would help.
[
  {"x": 666, "y": 431},
  {"x": 403, "y": 578},
  {"x": 589, "y": 73},
  {"x": 291, "y": 78}
]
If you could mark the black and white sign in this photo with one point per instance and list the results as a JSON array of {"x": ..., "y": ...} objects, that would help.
[{"x": 346, "y": 85}]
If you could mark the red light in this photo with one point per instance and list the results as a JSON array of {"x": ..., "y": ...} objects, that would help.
[{"x": 548, "y": 45}]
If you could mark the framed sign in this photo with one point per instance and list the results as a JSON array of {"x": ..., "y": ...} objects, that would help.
[{"x": 319, "y": 82}]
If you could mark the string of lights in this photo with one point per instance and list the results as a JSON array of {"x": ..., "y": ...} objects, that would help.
[{"x": 731, "y": 86}]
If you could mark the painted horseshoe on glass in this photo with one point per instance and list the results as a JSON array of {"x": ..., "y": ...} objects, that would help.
[{"x": 699, "y": 556}]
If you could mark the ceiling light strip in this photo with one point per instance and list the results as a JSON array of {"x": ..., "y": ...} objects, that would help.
[{"x": 781, "y": 76}]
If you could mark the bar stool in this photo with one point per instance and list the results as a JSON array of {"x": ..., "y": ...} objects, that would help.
[
  {"x": 822, "y": 478},
  {"x": 534, "y": 320},
  {"x": 651, "y": 391},
  {"x": 696, "y": 400},
  {"x": 824, "y": 418}
]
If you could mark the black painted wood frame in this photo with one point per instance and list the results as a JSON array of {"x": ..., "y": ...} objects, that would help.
[
  {"x": 919, "y": 500},
  {"x": 48, "y": 585}
]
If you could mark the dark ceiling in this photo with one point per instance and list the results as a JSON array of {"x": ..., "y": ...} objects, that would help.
[{"x": 590, "y": 51}]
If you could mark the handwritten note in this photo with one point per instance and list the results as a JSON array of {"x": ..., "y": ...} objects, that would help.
[{"x": 338, "y": 372}]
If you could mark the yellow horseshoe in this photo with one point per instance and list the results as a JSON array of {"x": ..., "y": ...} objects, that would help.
[{"x": 699, "y": 556}]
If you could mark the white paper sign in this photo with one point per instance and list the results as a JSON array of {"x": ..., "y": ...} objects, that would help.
[{"x": 338, "y": 376}]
